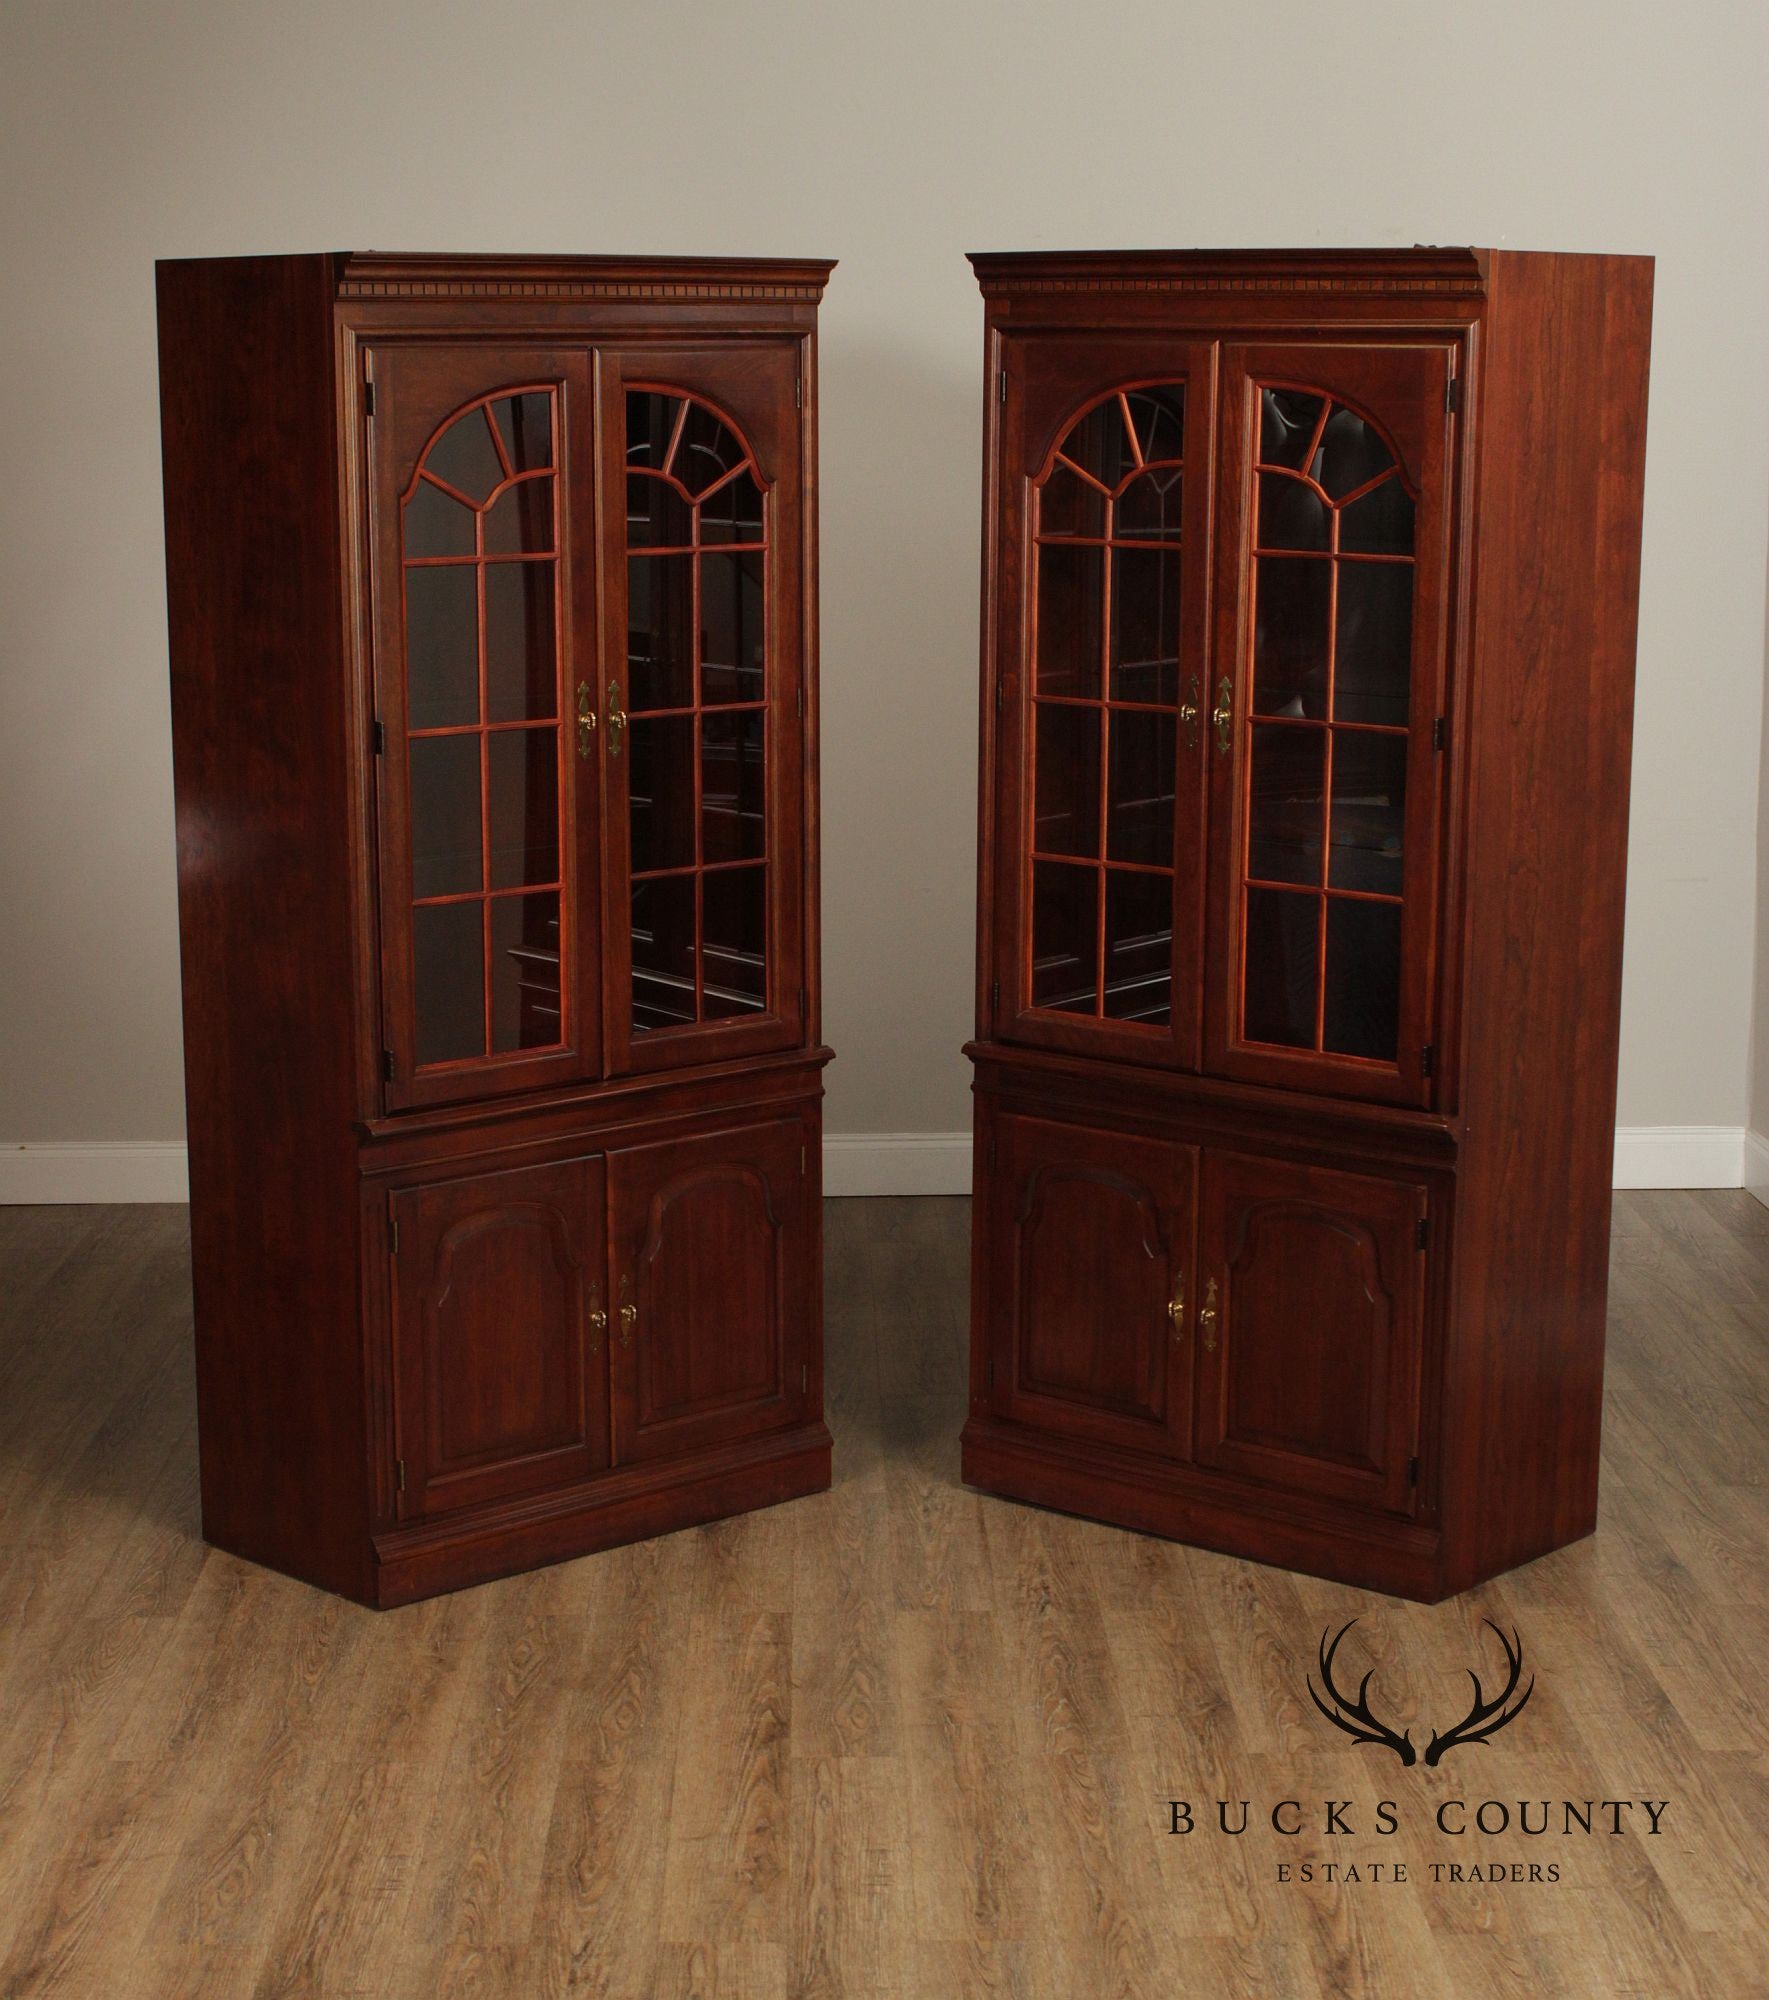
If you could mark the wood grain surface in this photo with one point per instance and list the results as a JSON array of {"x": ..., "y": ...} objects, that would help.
[{"x": 896, "y": 1740}]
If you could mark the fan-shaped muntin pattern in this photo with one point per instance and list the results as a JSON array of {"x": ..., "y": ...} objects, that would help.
[
  {"x": 484, "y": 750},
  {"x": 1105, "y": 686},
  {"x": 696, "y": 526},
  {"x": 1330, "y": 676}
]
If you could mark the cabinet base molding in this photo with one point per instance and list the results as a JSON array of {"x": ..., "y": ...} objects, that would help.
[
  {"x": 631, "y": 1505},
  {"x": 1396, "y": 1558}
]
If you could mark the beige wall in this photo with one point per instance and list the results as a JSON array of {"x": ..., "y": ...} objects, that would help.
[{"x": 895, "y": 137}]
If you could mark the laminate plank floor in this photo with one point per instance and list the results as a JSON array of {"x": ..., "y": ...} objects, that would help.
[{"x": 898, "y": 1740}]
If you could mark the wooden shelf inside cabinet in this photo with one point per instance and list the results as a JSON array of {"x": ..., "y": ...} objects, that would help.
[
  {"x": 1285, "y": 904},
  {"x": 559, "y": 778}
]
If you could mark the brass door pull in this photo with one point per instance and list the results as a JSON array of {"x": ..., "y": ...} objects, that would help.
[
  {"x": 1223, "y": 714},
  {"x": 1188, "y": 712},
  {"x": 617, "y": 718},
  {"x": 586, "y": 720},
  {"x": 598, "y": 1319},
  {"x": 628, "y": 1314},
  {"x": 1207, "y": 1317},
  {"x": 1176, "y": 1307}
]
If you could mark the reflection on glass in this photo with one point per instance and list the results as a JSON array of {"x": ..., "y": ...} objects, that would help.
[
  {"x": 466, "y": 457},
  {"x": 522, "y": 810},
  {"x": 1066, "y": 799},
  {"x": 448, "y": 951},
  {"x": 1139, "y": 796},
  {"x": 661, "y": 791},
  {"x": 1287, "y": 422},
  {"x": 1158, "y": 413},
  {"x": 732, "y": 512},
  {"x": 706, "y": 451},
  {"x": 1374, "y": 643},
  {"x": 1292, "y": 515},
  {"x": 1071, "y": 601},
  {"x": 1350, "y": 454},
  {"x": 651, "y": 425},
  {"x": 1071, "y": 505},
  {"x": 436, "y": 524},
  {"x": 1149, "y": 507},
  {"x": 1362, "y": 1011},
  {"x": 445, "y": 815},
  {"x": 1145, "y": 625},
  {"x": 521, "y": 651},
  {"x": 1065, "y": 922},
  {"x": 1282, "y": 947},
  {"x": 658, "y": 514},
  {"x": 525, "y": 423},
  {"x": 732, "y": 646},
  {"x": 663, "y": 952},
  {"x": 1292, "y": 600},
  {"x": 525, "y": 972},
  {"x": 442, "y": 646},
  {"x": 1139, "y": 948},
  {"x": 1286, "y": 796},
  {"x": 519, "y": 522},
  {"x": 660, "y": 636},
  {"x": 733, "y": 798},
  {"x": 1369, "y": 812},
  {"x": 1378, "y": 522},
  {"x": 1100, "y": 446},
  {"x": 734, "y": 921}
]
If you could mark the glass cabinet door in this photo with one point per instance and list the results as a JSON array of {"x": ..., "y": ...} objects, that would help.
[
  {"x": 1326, "y": 714},
  {"x": 482, "y": 763},
  {"x": 1101, "y": 841},
  {"x": 703, "y": 702}
]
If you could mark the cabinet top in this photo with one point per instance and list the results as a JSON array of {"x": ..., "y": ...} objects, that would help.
[
  {"x": 378, "y": 274},
  {"x": 1421, "y": 269}
]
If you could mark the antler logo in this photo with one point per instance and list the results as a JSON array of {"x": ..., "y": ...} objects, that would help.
[{"x": 1482, "y": 1722}]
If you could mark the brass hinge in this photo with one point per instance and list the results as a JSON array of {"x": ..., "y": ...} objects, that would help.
[
  {"x": 1412, "y": 1472},
  {"x": 1422, "y": 1232},
  {"x": 368, "y": 399},
  {"x": 387, "y": 1065},
  {"x": 1440, "y": 732},
  {"x": 1000, "y": 696},
  {"x": 399, "y": 1475},
  {"x": 393, "y": 1233},
  {"x": 798, "y": 392},
  {"x": 1428, "y": 1059},
  {"x": 379, "y": 729},
  {"x": 1002, "y": 379},
  {"x": 994, "y": 995},
  {"x": 804, "y": 1160},
  {"x": 1452, "y": 395}
]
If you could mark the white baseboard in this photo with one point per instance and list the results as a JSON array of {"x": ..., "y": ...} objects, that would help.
[
  {"x": 1679, "y": 1156},
  {"x": 896, "y": 1163},
  {"x": 95, "y": 1170},
  {"x": 854, "y": 1163}
]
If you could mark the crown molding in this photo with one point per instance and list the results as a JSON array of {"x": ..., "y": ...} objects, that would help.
[
  {"x": 380, "y": 276},
  {"x": 1380, "y": 273}
]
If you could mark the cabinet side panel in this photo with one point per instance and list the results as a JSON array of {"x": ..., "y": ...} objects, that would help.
[
  {"x": 259, "y": 742},
  {"x": 1561, "y": 414}
]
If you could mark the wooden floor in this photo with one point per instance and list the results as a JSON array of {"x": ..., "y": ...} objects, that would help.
[{"x": 898, "y": 1740}]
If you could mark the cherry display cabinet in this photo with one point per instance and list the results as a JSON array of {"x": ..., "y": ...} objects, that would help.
[
  {"x": 492, "y": 601},
  {"x": 1308, "y": 644}
]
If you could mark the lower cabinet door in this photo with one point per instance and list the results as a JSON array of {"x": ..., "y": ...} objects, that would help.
[
  {"x": 1310, "y": 1328},
  {"x": 712, "y": 1308},
  {"x": 1090, "y": 1239},
  {"x": 500, "y": 1379}
]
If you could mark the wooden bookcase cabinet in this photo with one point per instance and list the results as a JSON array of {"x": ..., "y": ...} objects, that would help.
[
  {"x": 1309, "y": 610},
  {"x": 492, "y": 599}
]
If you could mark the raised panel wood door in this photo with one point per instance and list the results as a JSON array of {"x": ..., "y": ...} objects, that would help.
[
  {"x": 1090, "y": 1248},
  {"x": 711, "y": 1265},
  {"x": 1310, "y": 1327},
  {"x": 1327, "y": 716},
  {"x": 483, "y": 588},
  {"x": 499, "y": 1331},
  {"x": 1100, "y": 637},
  {"x": 704, "y": 637}
]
